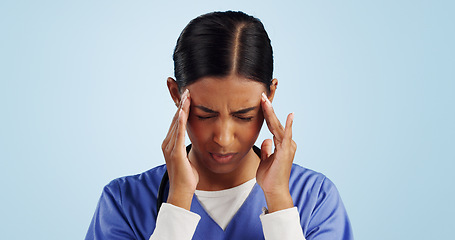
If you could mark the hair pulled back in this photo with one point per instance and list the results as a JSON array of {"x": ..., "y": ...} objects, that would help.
[{"x": 218, "y": 44}]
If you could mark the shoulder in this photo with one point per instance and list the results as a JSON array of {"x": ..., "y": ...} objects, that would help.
[
  {"x": 127, "y": 206},
  {"x": 322, "y": 213},
  {"x": 307, "y": 177},
  {"x": 128, "y": 186},
  {"x": 309, "y": 187}
]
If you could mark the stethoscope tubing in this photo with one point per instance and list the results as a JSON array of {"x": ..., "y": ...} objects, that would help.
[{"x": 160, "y": 200}]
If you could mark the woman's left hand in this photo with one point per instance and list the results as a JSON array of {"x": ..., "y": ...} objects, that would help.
[{"x": 275, "y": 168}]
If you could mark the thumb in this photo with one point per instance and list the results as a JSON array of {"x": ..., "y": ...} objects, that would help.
[{"x": 266, "y": 149}]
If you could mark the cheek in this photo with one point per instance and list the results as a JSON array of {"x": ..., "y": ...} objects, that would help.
[
  {"x": 251, "y": 132},
  {"x": 196, "y": 130}
]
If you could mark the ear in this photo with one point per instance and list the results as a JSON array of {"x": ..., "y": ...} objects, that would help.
[
  {"x": 273, "y": 87},
  {"x": 174, "y": 90}
]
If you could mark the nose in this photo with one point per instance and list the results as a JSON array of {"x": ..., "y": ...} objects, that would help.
[{"x": 223, "y": 134}]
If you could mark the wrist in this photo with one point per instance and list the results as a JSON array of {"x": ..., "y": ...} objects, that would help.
[
  {"x": 180, "y": 199},
  {"x": 278, "y": 201}
]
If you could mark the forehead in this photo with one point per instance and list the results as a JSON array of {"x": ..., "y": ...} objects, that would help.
[{"x": 228, "y": 93}]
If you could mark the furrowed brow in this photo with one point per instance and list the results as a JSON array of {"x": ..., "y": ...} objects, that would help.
[
  {"x": 243, "y": 111},
  {"x": 205, "y": 109}
]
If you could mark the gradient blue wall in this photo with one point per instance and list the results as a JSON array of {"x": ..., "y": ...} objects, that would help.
[{"x": 83, "y": 100}]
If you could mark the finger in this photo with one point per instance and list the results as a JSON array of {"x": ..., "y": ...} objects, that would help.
[
  {"x": 266, "y": 149},
  {"x": 288, "y": 129},
  {"x": 176, "y": 136},
  {"x": 172, "y": 126},
  {"x": 174, "y": 120},
  {"x": 182, "y": 120},
  {"x": 169, "y": 141},
  {"x": 170, "y": 133},
  {"x": 271, "y": 119}
]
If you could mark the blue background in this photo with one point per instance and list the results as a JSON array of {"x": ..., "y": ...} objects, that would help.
[{"x": 83, "y": 100}]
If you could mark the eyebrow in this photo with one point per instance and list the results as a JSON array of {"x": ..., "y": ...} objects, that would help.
[{"x": 241, "y": 111}]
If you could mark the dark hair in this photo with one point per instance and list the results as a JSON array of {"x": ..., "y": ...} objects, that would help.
[{"x": 222, "y": 43}]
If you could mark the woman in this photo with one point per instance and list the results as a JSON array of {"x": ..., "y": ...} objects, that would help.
[{"x": 223, "y": 88}]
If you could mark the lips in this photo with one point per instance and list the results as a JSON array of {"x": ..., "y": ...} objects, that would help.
[{"x": 222, "y": 158}]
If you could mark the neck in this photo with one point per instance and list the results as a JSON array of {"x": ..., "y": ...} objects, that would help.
[{"x": 211, "y": 181}]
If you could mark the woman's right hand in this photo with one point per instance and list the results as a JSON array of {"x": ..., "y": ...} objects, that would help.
[{"x": 183, "y": 177}]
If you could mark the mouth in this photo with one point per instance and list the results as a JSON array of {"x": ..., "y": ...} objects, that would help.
[{"x": 222, "y": 158}]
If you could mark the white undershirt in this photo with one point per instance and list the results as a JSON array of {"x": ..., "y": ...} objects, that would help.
[
  {"x": 223, "y": 205},
  {"x": 177, "y": 223}
]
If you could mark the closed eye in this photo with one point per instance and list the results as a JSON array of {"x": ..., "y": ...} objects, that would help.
[
  {"x": 244, "y": 118},
  {"x": 247, "y": 119},
  {"x": 204, "y": 117}
]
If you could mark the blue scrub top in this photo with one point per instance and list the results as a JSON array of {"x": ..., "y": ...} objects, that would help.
[{"x": 127, "y": 209}]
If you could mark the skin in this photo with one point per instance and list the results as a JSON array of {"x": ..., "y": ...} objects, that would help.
[{"x": 223, "y": 117}]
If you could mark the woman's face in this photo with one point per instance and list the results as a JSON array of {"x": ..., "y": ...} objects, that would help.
[{"x": 224, "y": 122}]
